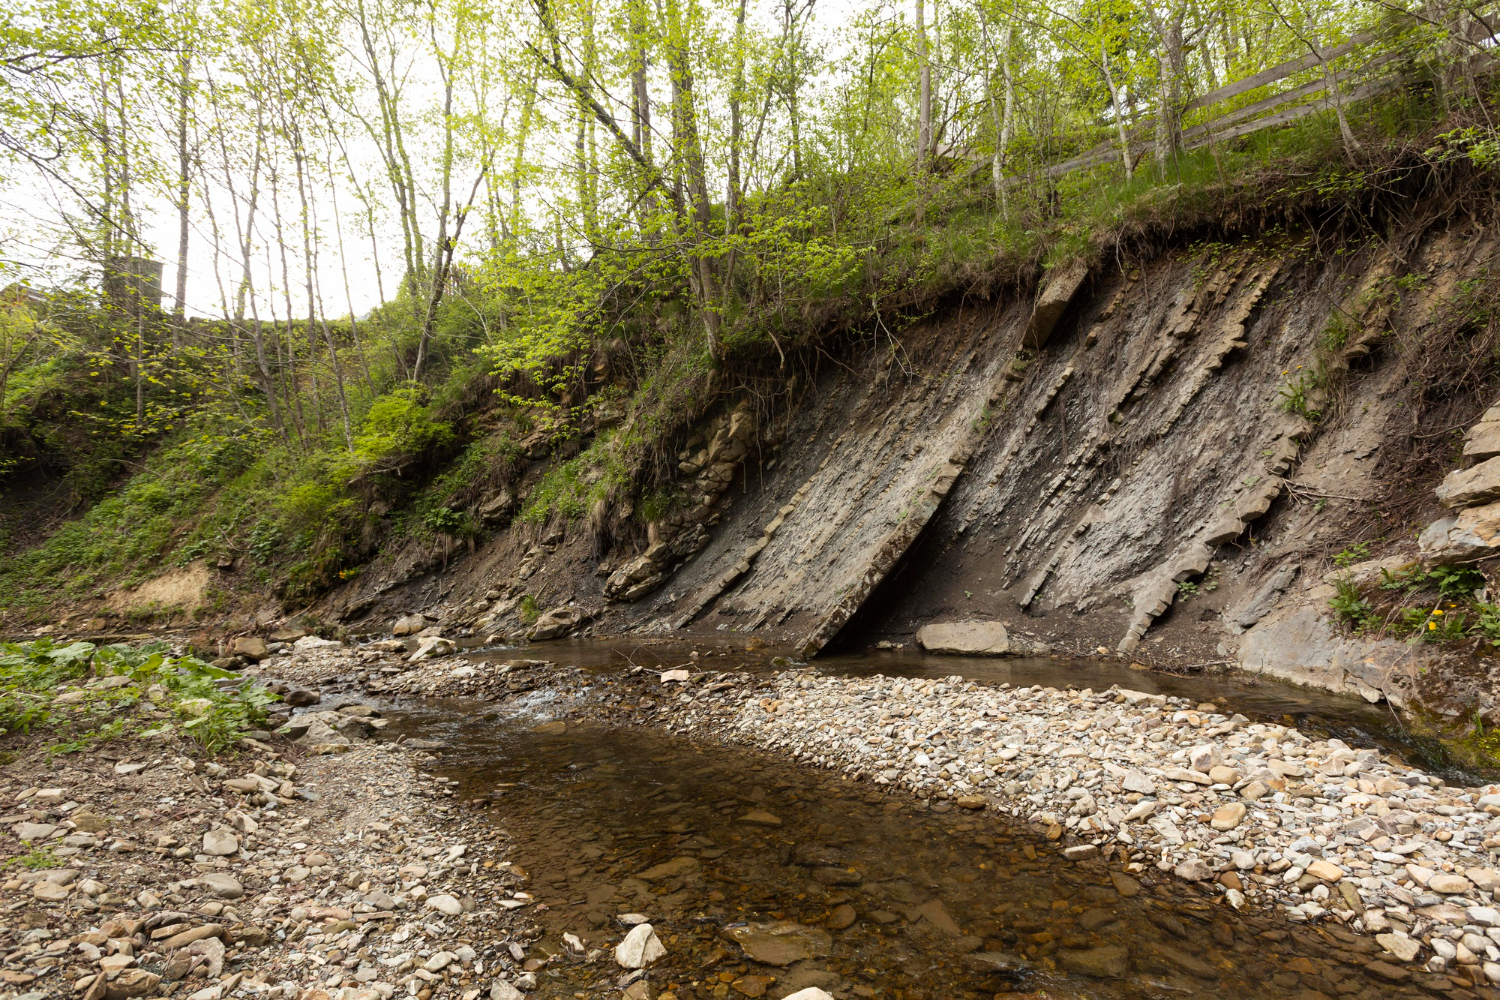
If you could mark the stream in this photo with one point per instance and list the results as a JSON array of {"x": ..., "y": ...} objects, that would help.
[{"x": 763, "y": 877}]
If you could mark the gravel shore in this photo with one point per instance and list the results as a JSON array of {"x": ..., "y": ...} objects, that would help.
[
  {"x": 1270, "y": 816},
  {"x": 150, "y": 868}
]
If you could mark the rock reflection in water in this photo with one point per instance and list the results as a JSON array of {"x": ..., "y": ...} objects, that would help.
[{"x": 762, "y": 878}]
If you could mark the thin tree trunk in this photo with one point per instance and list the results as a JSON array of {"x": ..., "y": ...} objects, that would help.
[
  {"x": 924, "y": 89},
  {"x": 179, "y": 304},
  {"x": 1114, "y": 99}
]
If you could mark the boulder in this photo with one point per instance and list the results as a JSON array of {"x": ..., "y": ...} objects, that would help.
[
  {"x": 408, "y": 625},
  {"x": 556, "y": 623},
  {"x": 965, "y": 638},
  {"x": 1467, "y": 536},
  {"x": 251, "y": 647},
  {"x": 1470, "y": 487}
]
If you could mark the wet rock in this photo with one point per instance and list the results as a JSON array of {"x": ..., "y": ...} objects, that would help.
[
  {"x": 1081, "y": 852},
  {"x": 759, "y": 817},
  {"x": 300, "y": 698},
  {"x": 1399, "y": 944},
  {"x": 965, "y": 638},
  {"x": 936, "y": 914},
  {"x": 842, "y": 917},
  {"x": 971, "y": 802},
  {"x": 780, "y": 943},
  {"x": 1107, "y": 962},
  {"x": 670, "y": 869},
  {"x": 640, "y": 948}
]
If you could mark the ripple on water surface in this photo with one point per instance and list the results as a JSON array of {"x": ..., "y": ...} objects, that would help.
[{"x": 762, "y": 877}]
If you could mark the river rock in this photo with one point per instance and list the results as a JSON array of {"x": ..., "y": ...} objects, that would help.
[
  {"x": 1448, "y": 884},
  {"x": 132, "y": 983},
  {"x": 1229, "y": 816},
  {"x": 220, "y": 843},
  {"x": 251, "y": 647},
  {"x": 1194, "y": 870},
  {"x": 556, "y": 623},
  {"x": 1205, "y": 758},
  {"x": 50, "y": 892},
  {"x": 965, "y": 638},
  {"x": 221, "y": 885},
  {"x": 34, "y": 831},
  {"x": 408, "y": 625},
  {"x": 811, "y": 993},
  {"x": 759, "y": 817},
  {"x": 669, "y": 869},
  {"x": 640, "y": 948},
  {"x": 842, "y": 916},
  {"x": 1108, "y": 962},
  {"x": 1398, "y": 944},
  {"x": 445, "y": 903},
  {"x": 780, "y": 943}
]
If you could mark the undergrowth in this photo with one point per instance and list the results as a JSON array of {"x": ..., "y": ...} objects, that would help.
[{"x": 81, "y": 694}]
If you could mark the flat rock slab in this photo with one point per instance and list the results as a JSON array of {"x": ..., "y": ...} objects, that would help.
[
  {"x": 965, "y": 638},
  {"x": 780, "y": 943}
]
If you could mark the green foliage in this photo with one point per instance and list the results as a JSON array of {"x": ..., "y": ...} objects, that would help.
[
  {"x": 571, "y": 488},
  {"x": 1296, "y": 398},
  {"x": 528, "y": 610},
  {"x": 39, "y": 858},
  {"x": 213, "y": 706},
  {"x": 1358, "y": 552},
  {"x": 1350, "y": 605}
]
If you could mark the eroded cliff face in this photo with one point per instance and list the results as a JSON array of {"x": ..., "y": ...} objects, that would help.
[{"x": 1152, "y": 461}]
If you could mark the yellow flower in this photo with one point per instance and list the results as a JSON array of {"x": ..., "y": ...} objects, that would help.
[
  {"x": 1437, "y": 611},
  {"x": 1432, "y": 626}
]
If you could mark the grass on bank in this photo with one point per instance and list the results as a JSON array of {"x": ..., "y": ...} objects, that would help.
[{"x": 81, "y": 694}]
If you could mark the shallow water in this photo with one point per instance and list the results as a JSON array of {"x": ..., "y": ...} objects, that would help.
[
  {"x": 1315, "y": 712},
  {"x": 889, "y": 898}
]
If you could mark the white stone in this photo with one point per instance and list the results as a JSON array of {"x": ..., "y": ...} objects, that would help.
[
  {"x": 1398, "y": 944},
  {"x": 220, "y": 843},
  {"x": 445, "y": 903},
  {"x": 811, "y": 993},
  {"x": 640, "y": 948}
]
